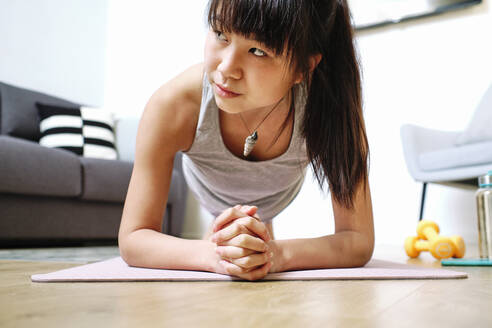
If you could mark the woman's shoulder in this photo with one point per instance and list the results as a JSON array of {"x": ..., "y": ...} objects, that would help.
[
  {"x": 184, "y": 89},
  {"x": 187, "y": 86},
  {"x": 174, "y": 108}
]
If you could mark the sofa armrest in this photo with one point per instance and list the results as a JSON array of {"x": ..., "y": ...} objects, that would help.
[
  {"x": 422, "y": 140},
  {"x": 126, "y": 134}
]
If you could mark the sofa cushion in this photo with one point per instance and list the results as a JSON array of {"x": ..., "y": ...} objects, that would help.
[
  {"x": 18, "y": 112},
  {"x": 105, "y": 180},
  {"x": 467, "y": 155},
  {"x": 27, "y": 168}
]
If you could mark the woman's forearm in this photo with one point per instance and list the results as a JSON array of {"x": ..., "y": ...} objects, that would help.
[
  {"x": 341, "y": 250},
  {"x": 152, "y": 249}
]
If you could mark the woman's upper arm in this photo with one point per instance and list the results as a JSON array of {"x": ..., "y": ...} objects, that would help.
[
  {"x": 360, "y": 217},
  {"x": 166, "y": 127}
]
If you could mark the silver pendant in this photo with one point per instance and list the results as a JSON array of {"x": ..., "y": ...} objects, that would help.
[{"x": 249, "y": 143}]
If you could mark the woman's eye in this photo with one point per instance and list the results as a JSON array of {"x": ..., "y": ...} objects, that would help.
[
  {"x": 221, "y": 36},
  {"x": 257, "y": 52}
]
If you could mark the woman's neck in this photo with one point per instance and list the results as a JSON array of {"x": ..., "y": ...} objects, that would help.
[{"x": 273, "y": 115}]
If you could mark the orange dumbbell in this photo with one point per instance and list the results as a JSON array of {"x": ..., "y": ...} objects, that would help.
[{"x": 428, "y": 239}]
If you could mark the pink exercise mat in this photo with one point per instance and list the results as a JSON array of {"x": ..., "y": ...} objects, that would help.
[{"x": 117, "y": 270}]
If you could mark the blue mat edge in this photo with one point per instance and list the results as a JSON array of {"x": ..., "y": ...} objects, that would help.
[{"x": 466, "y": 262}]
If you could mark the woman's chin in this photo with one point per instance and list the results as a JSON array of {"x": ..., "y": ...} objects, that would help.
[{"x": 227, "y": 106}]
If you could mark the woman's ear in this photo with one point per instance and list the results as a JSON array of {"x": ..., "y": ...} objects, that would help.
[{"x": 313, "y": 62}]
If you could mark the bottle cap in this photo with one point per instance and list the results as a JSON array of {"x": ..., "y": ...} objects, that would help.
[{"x": 485, "y": 180}]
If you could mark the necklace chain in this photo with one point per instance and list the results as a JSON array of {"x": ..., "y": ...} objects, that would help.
[
  {"x": 263, "y": 120},
  {"x": 251, "y": 140}
]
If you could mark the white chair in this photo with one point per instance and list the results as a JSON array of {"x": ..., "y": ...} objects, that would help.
[{"x": 450, "y": 158}]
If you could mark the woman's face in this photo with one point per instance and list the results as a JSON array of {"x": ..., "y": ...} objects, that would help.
[{"x": 244, "y": 74}]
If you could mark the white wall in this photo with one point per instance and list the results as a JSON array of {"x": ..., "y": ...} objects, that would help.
[
  {"x": 149, "y": 42},
  {"x": 55, "y": 46},
  {"x": 430, "y": 72}
]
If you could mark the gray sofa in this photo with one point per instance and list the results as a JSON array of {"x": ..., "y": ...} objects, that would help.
[{"x": 54, "y": 197}]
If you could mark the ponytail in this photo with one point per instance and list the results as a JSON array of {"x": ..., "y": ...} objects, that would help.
[{"x": 333, "y": 122}]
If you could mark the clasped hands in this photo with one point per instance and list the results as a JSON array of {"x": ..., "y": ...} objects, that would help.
[{"x": 242, "y": 243}]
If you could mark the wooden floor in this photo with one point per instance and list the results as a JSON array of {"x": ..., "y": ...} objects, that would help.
[{"x": 404, "y": 303}]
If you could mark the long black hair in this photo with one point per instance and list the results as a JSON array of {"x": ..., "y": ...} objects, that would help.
[{"x": 333, "y": 124}]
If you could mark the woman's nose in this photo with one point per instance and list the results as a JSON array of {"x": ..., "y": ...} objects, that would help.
[{"x": 230, "y": 64}]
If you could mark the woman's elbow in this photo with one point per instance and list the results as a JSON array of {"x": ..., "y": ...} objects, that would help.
[
  {"x": 363, "y": 251},
  {"x": 125, "y": 247}
]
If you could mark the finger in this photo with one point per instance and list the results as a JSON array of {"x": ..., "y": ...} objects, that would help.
[
  {"x": 250, "y": 210},
  {"x": 251, "y": 261},
  {"x": 252, "y": 275},
  {"x": 230, "y": 215},
  {"x": 246, "y": 241},
  {"x": 233, "y": 252},
  {"x": 258, "y": 228},
  {"x": 247, "y": 225},
  {"x": 227, "y": 216},
  {"x": 229, "y": 232}
]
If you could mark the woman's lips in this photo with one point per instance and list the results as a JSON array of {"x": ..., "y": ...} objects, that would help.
[{"x": 223, "y": 92}]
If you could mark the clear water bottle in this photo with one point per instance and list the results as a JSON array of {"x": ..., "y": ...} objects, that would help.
[{"x": 484, "y": 211}]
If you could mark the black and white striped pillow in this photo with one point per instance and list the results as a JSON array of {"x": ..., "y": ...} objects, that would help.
[
  {"x": 61, "y": 127},
  {"x": 98, "y": 132},
  {"x": 86, "y": 131}
]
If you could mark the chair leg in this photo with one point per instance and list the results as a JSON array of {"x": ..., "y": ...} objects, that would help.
[{"x": 422, "y": 201}]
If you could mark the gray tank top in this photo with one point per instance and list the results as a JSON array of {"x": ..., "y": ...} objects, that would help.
[{"x": 219, "y": 179}]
